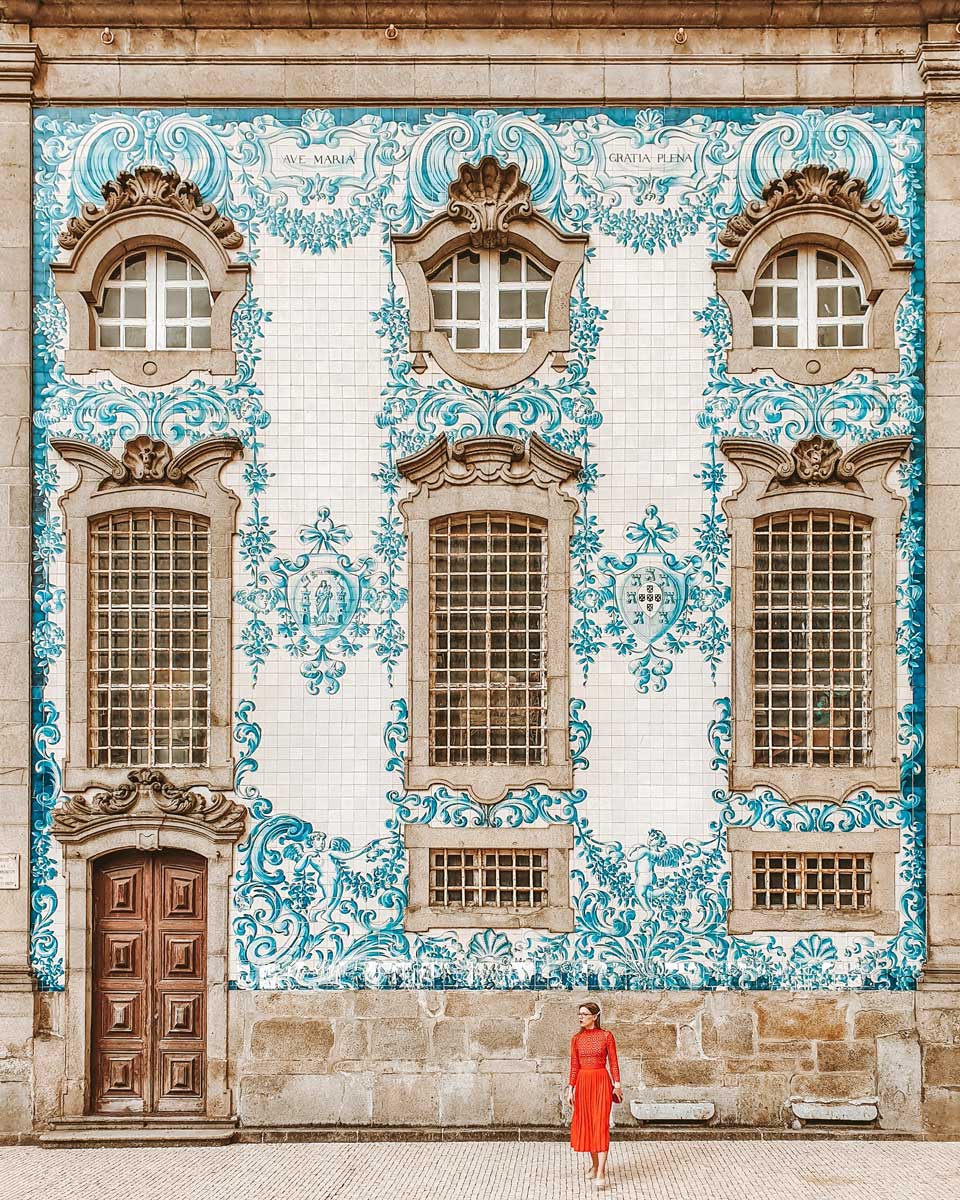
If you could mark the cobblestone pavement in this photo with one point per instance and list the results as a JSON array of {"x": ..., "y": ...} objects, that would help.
[{"x": 675, "y": 1170}]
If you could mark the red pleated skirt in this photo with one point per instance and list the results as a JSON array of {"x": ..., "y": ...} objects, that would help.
[{"x": 592, "y": 1099}]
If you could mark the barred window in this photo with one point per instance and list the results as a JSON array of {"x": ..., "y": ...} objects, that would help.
[
  {"x": 812, "y": 881},
  {"x": 150, "y": 639},
  {"x": 488, "y": 595},
  {"x": 488, "y": 878},
  {"x": 812, "y": 639},
  {"x": 809, "y": 298}
]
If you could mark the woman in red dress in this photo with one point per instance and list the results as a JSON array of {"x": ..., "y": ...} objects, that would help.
[{"x": 591, "y": 1091}]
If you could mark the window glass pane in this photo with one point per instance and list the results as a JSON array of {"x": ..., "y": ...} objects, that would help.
[
  {"x": 443, "y": 305},
  {"x": 468, "y": 266},
  {"x": 763, "y": 302},
  {"x": 111, "y": 302},
  {"x": 827, "y": 266},
  {"x": 468, "y": 339},
  {"x": 827, "y": 335},
  {"x": 511, "y": 338},
  {"x": 176, "y": 267},
  {"x": 443, "y": 273},
  {"x": 135, "y": 267},
  {"x": 853, "y": 335},
  {"x": 110, "y": 336},
  {"x": 200, "y": 302},
  {"x": 176, "y": 337},
  {"x": 536, "y": 305},
  {"x": 763, "y": 335},
  {"x": 200, "y": 337},
  {"x": 135, "y": 337},
  {"x": 767, "y": 272},
  {"x": 787, "y": 265},
  {"x": 827, "y": 302},
  {"x": 786, "y": 335},
  {"x": 468, "y": 306},
  {"x": 852, "y": 306},
  {"x": 536, "y": 273},
  {"x": 511, "y": 267},
  {"x": 135, "y": 303},
  {"x": 510, "y": 305},
  {"x": 176, "y": 302},
  {"x": 786, "y": 302}
]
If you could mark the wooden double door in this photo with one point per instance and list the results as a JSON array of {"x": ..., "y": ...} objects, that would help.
[{"x": 148, "y": 1052}]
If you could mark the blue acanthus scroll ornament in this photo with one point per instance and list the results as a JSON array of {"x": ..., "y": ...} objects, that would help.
[
  {"x": 647, "y": 594},
  {"x": 321, "y": 603}
]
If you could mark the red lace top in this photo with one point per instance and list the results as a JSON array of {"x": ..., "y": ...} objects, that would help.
[{"x": 590, "y": 1049}]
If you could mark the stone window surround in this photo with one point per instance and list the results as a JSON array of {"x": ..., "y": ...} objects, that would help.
[
  {"x": 188, "y": 483},
  {"x": 770, "y": 486},
  {"x": 885, "y": 279},
  {"x": 495, "y": 474},
  {"x": 882, "y": 918},
  {"x": 208, "y": 828},
  {"x": 79, "y": 284},
  {"x": 556, "y": 915},
  {"x": 510, "y": 222}
]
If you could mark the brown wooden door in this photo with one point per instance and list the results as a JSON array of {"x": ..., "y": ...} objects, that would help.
[{"x": 149, "y": 983}]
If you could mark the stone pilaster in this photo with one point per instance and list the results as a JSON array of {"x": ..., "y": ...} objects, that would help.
[
  {"x": 18, "y": 63},
  {"x": 938, "y": 1002}
]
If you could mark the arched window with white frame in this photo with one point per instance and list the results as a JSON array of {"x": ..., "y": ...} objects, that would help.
[
  {"x": 154, "y": 299},
  {"x": 809, "y": 298},
  {"x": 490, "y": 300}
]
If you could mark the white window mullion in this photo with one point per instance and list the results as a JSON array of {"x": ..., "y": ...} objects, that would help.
[
  {"x": 489, "y": 299},
  {"x": 154, "y": 301},
  {"x": 808, "y": 296}
]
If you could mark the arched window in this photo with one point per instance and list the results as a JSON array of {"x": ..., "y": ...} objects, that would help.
[
  {"x": 808, "y": 298},
  {"x": 489, "y": 281},
  {"x": 154, "y": 299},
  {"x": 814, "y": 278},
  {"x": 490, "y": 300},
  {"x": 150, "y": 285}
]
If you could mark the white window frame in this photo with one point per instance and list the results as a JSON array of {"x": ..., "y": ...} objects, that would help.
[
  {"x": 807, "y": 285},
  {"x": 157, "y": 285},
  {"x": 490, "y": 287}
]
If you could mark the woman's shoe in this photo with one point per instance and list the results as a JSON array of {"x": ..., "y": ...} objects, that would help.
[{"x": 600, "y": 1183}]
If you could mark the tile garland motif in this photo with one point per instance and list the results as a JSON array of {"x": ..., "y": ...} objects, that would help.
[{"x": 310, "y": 909}]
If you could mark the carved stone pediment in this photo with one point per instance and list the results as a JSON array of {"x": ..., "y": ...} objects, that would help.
[
  {"x": 815, "y": 462},
  {"x": 814, "y": 184},
  {"x": 489, "y": 460},
  {"x": 149, "y": 186},
  {"x": 148, "y": 798},
  {"x": 148, "y": 462},
  {"x": 489, "y": 196}
]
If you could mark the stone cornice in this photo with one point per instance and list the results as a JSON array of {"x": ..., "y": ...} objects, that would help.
[
  {"x": 489, "y": 459},
  {"x": 938, "y": 64},
  {"x": 505, "y": 14},
  {"x": 19, "y": 64}
]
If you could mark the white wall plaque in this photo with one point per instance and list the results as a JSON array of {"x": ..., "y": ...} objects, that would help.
[{"x": 9, "y": 872}]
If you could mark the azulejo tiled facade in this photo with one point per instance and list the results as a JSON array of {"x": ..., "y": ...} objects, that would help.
[{"x": 325, "y": 401}]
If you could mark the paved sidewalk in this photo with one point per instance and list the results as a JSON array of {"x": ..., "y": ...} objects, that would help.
[{"x": 677, "y": 1170}]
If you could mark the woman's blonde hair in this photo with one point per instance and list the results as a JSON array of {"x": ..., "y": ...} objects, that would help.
[{"x": 592, "y": 1007}]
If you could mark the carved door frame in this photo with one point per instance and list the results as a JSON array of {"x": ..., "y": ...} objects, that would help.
[{"x": 88, "y": 832}]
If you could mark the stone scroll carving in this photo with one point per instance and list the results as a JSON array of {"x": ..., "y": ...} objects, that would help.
[
  {"x": 809, "y": 185},
  {"x": 149, "y": 186},
  {"x": 147, "y": 461},
  {"x": 148, "y": 795},
  {"x": 489, "y": 196}
]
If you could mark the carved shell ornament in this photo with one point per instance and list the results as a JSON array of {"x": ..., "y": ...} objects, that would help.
[
  {"x": 489, "y": 196},
  {"x": 151, "y": 186},
  {"x": 814, "y": 184}
]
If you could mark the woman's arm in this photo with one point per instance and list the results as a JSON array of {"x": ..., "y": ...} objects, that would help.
[
  {"x": 612, "y": 1055},
  {"x": 574, "y": 1061}
]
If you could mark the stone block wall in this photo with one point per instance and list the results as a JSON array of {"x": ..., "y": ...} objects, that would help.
[{"x": 467, "y": 1059}]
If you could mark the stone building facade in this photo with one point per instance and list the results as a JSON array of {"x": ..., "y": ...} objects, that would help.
[{"x": 478, "y": 530}]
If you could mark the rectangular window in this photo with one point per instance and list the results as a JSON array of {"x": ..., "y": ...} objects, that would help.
[
  {"x": 488, "y": 878},
  {"x": 784, "y": 881},
  {"x": 488, "y": 597},
  {"x": 812, "y": 637},
  {"x": 150, "y": 639}
]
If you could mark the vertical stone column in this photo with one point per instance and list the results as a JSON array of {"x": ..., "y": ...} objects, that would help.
[
  {"x": 18, "y": 63},
  {"x": 938, "y": 1001}
]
